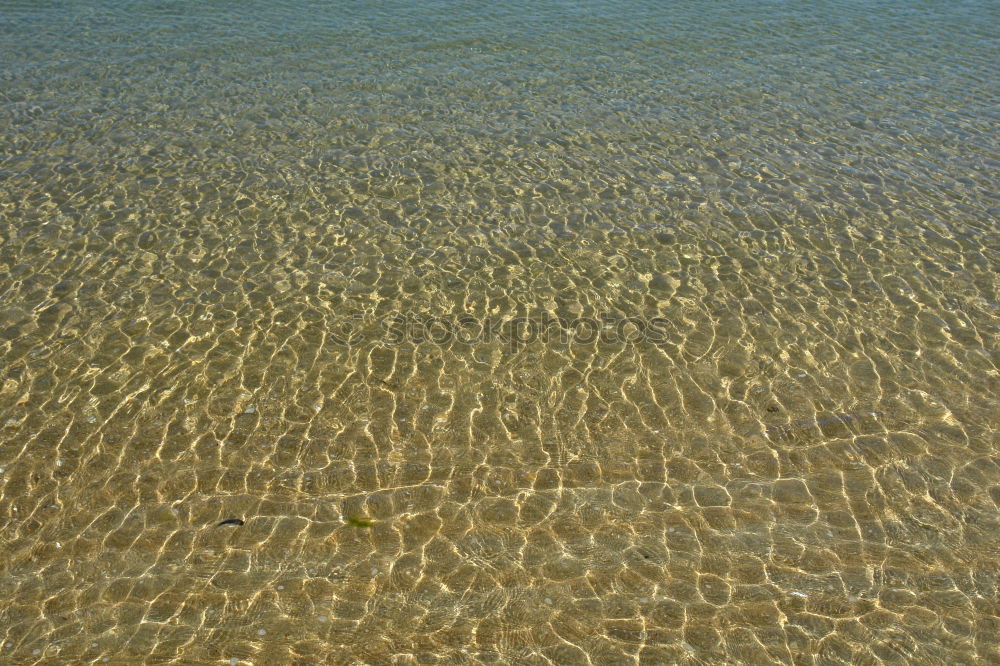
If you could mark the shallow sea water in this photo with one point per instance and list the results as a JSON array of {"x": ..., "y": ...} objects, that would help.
[{"x": 337, "y": 270}]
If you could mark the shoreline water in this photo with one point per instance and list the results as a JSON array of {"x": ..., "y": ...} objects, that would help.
[{"x": 554, "y": 333}]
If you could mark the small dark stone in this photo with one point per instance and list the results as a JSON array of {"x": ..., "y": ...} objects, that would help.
[{"x": 146, "y": 240}]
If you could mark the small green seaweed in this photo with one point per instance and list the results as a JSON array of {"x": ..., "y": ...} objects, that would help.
[{"x": 359, "y": 522}]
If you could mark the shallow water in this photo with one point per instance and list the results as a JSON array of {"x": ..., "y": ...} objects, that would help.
[{"x": 551, "y": 332}]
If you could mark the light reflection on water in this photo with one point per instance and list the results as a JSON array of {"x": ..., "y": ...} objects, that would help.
[{"x": 212, "y": 214}]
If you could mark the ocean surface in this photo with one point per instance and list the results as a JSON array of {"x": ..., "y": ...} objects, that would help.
[{"x": 539, "y": 332}]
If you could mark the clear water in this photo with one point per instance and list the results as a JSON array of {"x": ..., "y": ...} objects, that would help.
[{"x": 262, "y": 260}]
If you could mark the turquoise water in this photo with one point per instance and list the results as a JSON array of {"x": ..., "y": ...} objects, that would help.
[{"x": 552, "y": 332}]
